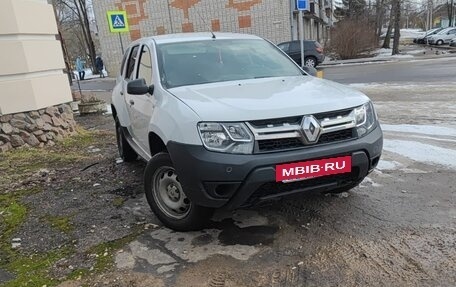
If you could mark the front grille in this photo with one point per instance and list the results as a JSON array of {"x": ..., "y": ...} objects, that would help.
[
  {"x": 273, "y": 189},
  {"x": 279, "y": 144},
  {"x": 292, "y": 132},
  {"x": 336, "y": 136},
  {"x": 333, "y": 114},
  {"x": 276, "y": 122},
  {"x": 293, "y": 143}
]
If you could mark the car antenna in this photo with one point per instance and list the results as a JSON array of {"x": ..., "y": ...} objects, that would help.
[{"x": 205, "y": 23}]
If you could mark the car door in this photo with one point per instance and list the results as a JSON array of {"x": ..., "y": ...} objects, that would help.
[
  {"x": 129, "y": 75},
  {"x": 143, "y": 105},
  {"x": 450, "y": 35},
  {"x": 295, "y": 51}
]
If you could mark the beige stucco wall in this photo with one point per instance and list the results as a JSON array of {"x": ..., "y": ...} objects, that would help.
[{"x": 31, "y": 59}]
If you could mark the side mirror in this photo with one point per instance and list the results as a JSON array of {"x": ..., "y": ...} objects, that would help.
[
  {"x": 139, "y": 87},
  {"x": 310, "y": 70}
]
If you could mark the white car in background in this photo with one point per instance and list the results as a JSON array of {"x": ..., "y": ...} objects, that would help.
[
  {"x": 453, "y": 42},
  {"x": 443, "y": 37}
]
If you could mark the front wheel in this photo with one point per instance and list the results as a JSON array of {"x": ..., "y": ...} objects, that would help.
[
  {"x": 310, "y": 62},
  {"x": 167, "y": 198},
  {"x": 439, "y": 42}
]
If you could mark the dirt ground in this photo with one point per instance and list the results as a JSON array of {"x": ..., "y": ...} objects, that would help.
[{"x": 76, "y": 216}]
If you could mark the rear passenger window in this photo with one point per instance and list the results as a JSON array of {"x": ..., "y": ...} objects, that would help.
[
  {"x": 131, "y": 63},
  {"x": 295, "y": 46}
]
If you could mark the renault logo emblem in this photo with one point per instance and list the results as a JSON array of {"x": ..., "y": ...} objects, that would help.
[{"x": 311, "y": 128}]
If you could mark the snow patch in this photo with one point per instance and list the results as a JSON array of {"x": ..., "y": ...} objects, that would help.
[
  {"x": 422, "y": 152},
  {"x": 420, "y": 129},
  {"x": 386, "y": 53},
  {"x": 388, "y": 165}
]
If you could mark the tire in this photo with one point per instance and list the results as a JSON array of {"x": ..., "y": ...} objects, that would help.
[
  {"x": 439, "y": 42},
  {"x": 167, "y": 199},
  {"x": 310, "y": 62},
  {"x": 126, "y": 152}
]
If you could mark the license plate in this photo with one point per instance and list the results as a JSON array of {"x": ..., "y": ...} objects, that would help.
[{"x": 314, "y": 168}]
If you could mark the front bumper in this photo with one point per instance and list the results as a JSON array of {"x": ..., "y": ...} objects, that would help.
[
  {"x": 431, "y": 41},
  {"x": 230, "y": 180}
]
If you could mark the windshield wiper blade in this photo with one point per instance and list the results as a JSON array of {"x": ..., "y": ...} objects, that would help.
[{"x": 262, "y": 77}]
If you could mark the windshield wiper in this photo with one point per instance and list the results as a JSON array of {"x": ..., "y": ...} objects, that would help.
[{"x": 262, "y": 77}]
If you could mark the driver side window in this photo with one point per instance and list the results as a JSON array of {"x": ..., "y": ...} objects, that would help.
[
  {"x": 145, "y": 65},
  {"x": 131, "y": 63}
]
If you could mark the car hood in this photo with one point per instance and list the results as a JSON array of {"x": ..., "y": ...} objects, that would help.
[{"x": 267, "y": 98}]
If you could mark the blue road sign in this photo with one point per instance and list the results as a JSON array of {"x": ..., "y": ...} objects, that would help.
[
  {"x": 118, "y": 21},
  {"x": 302, "y": 5}
]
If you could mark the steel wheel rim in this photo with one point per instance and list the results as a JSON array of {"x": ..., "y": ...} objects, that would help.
[
  {"x": 168, "y": 193},
  {"x": 310, "y": 63}
]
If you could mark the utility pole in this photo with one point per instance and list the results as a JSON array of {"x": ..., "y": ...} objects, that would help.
[{"x": 292, "y": 9}]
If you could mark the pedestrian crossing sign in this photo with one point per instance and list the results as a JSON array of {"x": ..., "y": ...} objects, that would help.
[{"x": 118, "y": 21}]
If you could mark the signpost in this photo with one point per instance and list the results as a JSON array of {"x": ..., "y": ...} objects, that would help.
[
  {"x": 118, "y": 23},
  {"x": 301, "y": 5}
]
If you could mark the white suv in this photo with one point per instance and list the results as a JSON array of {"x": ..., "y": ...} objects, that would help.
[{"x": 228, "y": 120}]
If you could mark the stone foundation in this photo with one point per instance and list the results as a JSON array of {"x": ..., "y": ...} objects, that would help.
[{"x": 36, "y": 128}]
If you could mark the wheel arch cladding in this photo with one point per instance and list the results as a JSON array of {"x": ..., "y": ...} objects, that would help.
[{"x": 156, "y": 144}]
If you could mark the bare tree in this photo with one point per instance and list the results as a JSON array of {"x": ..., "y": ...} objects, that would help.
[
  {"x": 397, "y": 26},
  {"x": 380, "y": 12},
  {"x": 450, "y": 6},
  {"x": 387, "y": 40},
  {"x": 74, "y": 15}
]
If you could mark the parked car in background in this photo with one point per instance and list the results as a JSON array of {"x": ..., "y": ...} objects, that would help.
[
  {"x": 313, "y": 52},
  {"x": 443, "y": 37},
  {"x": 423, "y": 39},
  {"x": 453, "y": 42},
  {"x": 228, "y": 120}
]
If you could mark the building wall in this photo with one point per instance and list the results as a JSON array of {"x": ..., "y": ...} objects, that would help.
[
  {"x": 266, "y": 18},
  {"x": 31, "y": 70}
]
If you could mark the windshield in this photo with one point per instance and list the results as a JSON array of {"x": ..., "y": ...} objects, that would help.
[{"x": 209, "y": 61}]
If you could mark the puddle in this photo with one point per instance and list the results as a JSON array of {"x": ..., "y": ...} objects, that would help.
[
  {"x": 232, "y": 234},
  {"x": 201, "y": 240}
]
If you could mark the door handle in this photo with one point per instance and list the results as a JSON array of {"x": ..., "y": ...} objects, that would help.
[
  {"x": 132, "y": 102},
  {"x": 121, "y": 93}
]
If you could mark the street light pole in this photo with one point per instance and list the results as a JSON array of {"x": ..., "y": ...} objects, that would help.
[{"x": 292, "y": 6}]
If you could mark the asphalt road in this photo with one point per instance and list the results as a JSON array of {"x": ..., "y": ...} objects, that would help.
[
  {"x": 429, "y": 70},
  {"x": 96, "y": 84}
]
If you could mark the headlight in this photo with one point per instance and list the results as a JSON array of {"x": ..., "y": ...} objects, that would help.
[
  {"x": 366, "y": 119},
  {"x": 226, "y": 137}
]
